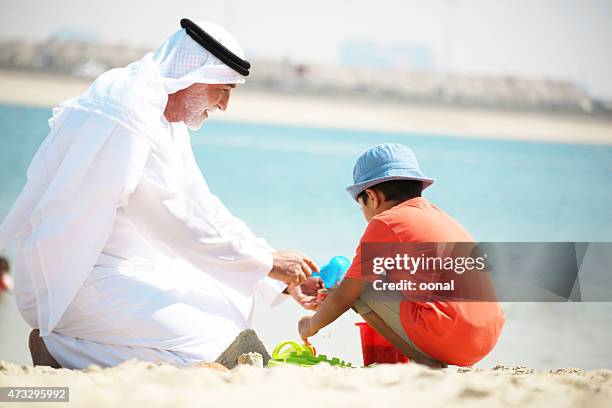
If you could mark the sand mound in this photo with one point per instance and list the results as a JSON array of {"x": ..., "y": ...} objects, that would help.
[{"x": 246, "y": 342}]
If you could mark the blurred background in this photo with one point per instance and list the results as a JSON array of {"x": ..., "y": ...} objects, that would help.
[{"x": 508, "y": 104}]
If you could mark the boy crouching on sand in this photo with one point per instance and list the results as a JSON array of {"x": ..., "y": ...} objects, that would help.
[{"x": 387, "y": 185}]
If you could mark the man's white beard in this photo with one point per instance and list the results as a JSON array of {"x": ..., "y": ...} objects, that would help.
[
  {"x": 194, "y": 119},
  {"x": 194, "y": 123}
]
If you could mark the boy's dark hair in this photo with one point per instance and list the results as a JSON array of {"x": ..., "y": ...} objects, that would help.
[
  {"x": 4, "y": 264},
  {"x": 396, "y": 190}
]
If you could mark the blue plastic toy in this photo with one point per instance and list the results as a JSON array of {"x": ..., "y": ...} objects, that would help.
[{"x": 333, "y": 272}]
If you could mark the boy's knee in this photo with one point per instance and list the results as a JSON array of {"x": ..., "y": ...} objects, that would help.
[
  {"x": 366, "y": 300},
  {"x": 361, "y": 307}
]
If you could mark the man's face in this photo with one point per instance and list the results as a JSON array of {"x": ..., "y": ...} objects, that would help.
[{"x": 194, "y": 103}]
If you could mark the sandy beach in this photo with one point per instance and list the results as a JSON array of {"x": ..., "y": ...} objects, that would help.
[
  {"x": 384, "y": 385},
  {"x": 47, "y": 90}
]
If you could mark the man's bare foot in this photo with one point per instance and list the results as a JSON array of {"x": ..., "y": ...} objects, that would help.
[
  {"x": 38, "y": 351},
  {"x": 212, "y": 366}
]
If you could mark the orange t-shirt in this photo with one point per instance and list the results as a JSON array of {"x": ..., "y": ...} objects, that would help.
[{"x": 457, "y": 333}]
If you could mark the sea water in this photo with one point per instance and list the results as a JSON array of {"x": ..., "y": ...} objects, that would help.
[{"x": 287, "y": 183}]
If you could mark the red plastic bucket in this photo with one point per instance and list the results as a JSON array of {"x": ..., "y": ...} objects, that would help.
[{"x": 376, "y": 349}]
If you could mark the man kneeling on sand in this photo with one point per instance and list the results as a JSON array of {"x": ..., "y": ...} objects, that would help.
[
  {"x": 121, "y": 249},
  {"x": 387, "y": 185}
]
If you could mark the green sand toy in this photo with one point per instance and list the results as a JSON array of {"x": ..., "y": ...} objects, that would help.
[{"x": 289, "y": 352}]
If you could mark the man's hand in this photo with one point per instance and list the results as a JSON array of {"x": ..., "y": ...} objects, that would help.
[
  {"x": 306, "y": 293},
  {"x": 305, "y": 329},
  {"x": 291, "y": 267}
]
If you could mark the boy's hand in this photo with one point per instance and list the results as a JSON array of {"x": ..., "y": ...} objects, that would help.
[
  {"x": 291, "y": 267},
  {"x": 305, "y": 329},
  {"x": 306, "y": 293}
]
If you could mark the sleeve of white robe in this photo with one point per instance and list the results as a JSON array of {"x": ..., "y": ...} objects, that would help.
[
  {"x": 174, "y": 218},
  {"x": 269, "y": 289}
]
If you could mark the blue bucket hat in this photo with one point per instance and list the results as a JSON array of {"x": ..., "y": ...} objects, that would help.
[{"x": 384, "y": 162}]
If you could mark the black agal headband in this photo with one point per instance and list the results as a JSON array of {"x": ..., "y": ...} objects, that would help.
[{"x": 215, "y": 47}]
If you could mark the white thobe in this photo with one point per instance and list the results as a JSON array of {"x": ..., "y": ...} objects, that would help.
[{"x": 174, "y": 273}]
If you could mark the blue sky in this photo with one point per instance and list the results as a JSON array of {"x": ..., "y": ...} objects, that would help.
[{"x": 555, "y": 39}]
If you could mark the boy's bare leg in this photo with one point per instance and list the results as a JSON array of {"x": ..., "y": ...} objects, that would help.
[
  {"x": 408, "y": 350},
  {"x": 39, "y": 352}
]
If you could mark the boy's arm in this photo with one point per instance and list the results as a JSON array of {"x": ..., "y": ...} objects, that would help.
[
  {"x": 338, "y": 302},
  {"x": 349, "y": 290}
]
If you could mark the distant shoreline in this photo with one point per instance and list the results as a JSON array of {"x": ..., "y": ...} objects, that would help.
[{"x": 341, "y": 112}]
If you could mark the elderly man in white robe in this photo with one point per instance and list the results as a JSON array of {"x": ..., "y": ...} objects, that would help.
[{"x": 121, "y": 249}]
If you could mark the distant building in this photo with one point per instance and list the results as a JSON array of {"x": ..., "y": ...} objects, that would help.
[{"x": 398, "y": 72}]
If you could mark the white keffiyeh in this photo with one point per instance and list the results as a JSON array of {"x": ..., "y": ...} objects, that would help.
[{"x": 183, "y": 62}]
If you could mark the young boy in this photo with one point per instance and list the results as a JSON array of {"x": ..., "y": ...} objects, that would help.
[{"x": 387, "y": 185}]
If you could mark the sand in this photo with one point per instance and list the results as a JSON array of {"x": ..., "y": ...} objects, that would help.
[
  {"x": 248, "y": 384},
  {"x": 256, "y": 106},
  {"x": 160, "y": 385},
  {"x": 252, "y": 359}
]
